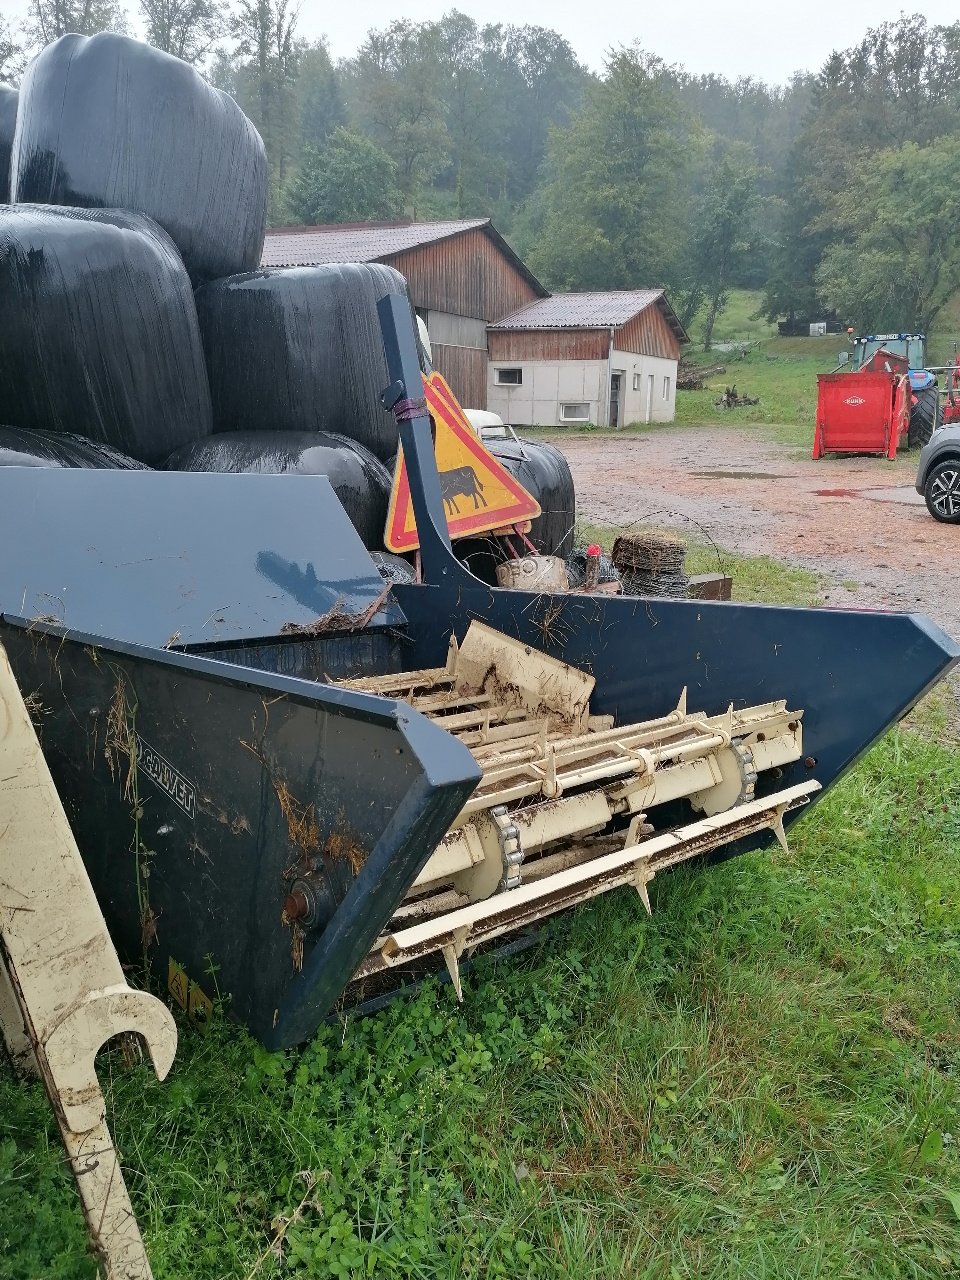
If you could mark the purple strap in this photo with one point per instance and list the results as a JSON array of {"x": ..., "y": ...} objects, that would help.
[{"x": 404, "y": 410}]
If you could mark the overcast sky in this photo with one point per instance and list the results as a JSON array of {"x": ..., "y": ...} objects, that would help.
[
  {"x": 734, "y": 38},
  {"x": 738, "y": 37}
]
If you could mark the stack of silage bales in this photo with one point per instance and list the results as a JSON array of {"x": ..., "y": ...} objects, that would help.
[
  {"x": 134, "y": 322},
  {"x": 296, "y": 366}
]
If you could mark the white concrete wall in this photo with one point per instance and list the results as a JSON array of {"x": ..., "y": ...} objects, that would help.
[
  {"x": 635, "y": 402},
  {"x": 548, "y": 384}
]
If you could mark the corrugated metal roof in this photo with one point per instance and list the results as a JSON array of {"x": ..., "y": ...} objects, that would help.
[
  {"x": 582, "y": 310},
  {"x": 357, "y": 242}
]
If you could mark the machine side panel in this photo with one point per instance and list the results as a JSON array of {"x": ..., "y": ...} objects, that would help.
[
  {"x": 201, "y": 794},
  {"x": 174, "y": 559}
]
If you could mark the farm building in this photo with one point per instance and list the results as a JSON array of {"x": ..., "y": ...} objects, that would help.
[
  {"x": 607, "y": 358},
  {"x": 462, "y": 275}
]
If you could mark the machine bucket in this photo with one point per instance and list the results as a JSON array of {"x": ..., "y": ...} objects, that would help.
[{"x": 250, "y": 825}]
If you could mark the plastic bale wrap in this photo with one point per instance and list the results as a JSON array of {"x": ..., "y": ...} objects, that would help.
[
  {"x": 98, "y": 331},
  {"x": 393, "y": 569},
  {"x": 108, "y": 122},
  {"x": 8, "y": 124},
  {"x": 360, "y": 480},
  {"x": 543, "y": 471},
  {"x": 300, "y": 349},
  {"x": 47, "y": 449},
  {"x": 577, "y": 568}
]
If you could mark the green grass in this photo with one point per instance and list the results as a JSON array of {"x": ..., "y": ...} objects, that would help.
[
  {"x": 761, "y": 1080},
  {"x": 782, "y": 374},
  {"x": 755, "y": 578},
  {"x": 738, "y": 322}
]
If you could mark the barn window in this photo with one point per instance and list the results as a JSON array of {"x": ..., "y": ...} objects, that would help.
[
  {"x": 508, "y": 377},
  {"x": 636, "y": 382},
  {"x": 574, "y": 413},
  {"x": 666, "y": 388}
]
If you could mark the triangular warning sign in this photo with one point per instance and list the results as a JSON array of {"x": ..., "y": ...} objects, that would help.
[{"x": 479, "y": 494}]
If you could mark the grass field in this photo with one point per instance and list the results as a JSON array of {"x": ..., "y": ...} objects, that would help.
[
  {"x": 761, "y": 1080},
  {"x": 738, "y": 322}
]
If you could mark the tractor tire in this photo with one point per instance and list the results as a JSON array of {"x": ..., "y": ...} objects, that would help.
[
  {"x": 942, "y": 492},
  {"x": 925, "y": 416}
]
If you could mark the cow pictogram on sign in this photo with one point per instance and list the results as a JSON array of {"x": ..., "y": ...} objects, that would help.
[{"x": 479, "y": 494}]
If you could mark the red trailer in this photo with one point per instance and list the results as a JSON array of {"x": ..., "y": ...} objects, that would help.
[{"x": 867, "y": 411}]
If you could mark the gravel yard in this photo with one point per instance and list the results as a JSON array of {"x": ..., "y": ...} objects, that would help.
[{"x": 856, "y": 521}]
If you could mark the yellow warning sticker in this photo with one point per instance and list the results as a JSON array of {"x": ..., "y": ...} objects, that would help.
[{"x": 178, "y": 984}]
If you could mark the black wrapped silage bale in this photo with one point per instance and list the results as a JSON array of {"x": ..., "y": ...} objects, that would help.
[
  {"x": 300, "y": 349},
  {"x": 543, "y": 471},
  {"x": 98, "y": 331},
  {"x": 8, "y": 123},
  {"x": 20, "y": 448},
  {"x": 109, "y": 122},
  {"x": 360, "y": 480}
]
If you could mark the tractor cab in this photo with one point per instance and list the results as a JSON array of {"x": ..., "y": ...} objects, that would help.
[{"x": 899, "y": 351}]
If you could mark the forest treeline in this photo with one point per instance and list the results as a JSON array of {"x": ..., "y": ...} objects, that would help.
[{"x": 833, "y": 194}]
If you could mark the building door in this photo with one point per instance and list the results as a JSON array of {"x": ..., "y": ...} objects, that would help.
[
  {"x": 648, "y": 408},
  {"x": 616, "y": 381}
]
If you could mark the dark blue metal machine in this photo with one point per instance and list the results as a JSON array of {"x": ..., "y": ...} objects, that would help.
[{"x": 177, "y": 637}]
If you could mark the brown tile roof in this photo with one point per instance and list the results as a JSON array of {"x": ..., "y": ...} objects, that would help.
[
  {"x": 581, "y": 310},
  {"x": 605, "y": 310},
  {"x": 355, "y": 242},
  {"x": 375, "y": 242}
]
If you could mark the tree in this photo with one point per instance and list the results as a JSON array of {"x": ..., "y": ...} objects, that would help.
[
  {"x": 725, "y": 230},
  {"x": 550, "y": 92},
  {"x": 186, "y": 28},
  {"x": 350, "y": 179},
  {"x": 900, "y": 84},
  {"x": 11, "y": 52},
  {"x": 320, "y": 101},
  {"x": 394, "y": 89},
  {"x": 48, "y": 20},
  {"x": 613, "y": 211},
  {"x": 265, "y": 33},
  {"x": 900, "y": 262}
]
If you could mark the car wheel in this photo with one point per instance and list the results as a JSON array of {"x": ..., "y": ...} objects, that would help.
[{"x": 942, "y": 492}]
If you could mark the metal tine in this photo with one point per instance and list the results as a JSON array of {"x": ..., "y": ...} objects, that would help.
[
  {"x": 432, "y": 703},
  {"x": 494, "y": 734},
  {"x": 481, "y": 921},
  {"x": 400, "y": 682},
  {"x": 462, "y": 722}
]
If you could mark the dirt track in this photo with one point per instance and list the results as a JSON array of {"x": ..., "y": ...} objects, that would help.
[{"x": 754, "y": 496}]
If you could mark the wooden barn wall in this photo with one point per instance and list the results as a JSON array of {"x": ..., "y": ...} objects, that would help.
[
  {"x": 465, "y": 275},
  {"x": 648, "y": 334},
  {"x": 548, "y": 344},
  {"x": 465, "y": 369}
]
